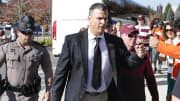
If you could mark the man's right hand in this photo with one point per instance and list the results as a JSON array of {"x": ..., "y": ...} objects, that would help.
[
  {"x": 153, "y": 41},
  {"x": 46, "y": 96}
]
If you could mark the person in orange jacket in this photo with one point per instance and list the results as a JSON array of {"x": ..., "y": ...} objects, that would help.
[
  {"x": 170, "y": 37},
  {"x": 157, "y": 31}
]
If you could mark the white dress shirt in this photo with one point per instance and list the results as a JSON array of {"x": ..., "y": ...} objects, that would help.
[{"x": 106, "y": 67}]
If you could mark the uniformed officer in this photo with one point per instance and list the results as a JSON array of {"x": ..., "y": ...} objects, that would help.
[{"x": 22, "y": 58}]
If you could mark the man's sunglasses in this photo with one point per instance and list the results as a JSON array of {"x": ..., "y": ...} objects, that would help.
[
  {"x": 169, "y": 30},
  {"x": 132, "y": 35}
]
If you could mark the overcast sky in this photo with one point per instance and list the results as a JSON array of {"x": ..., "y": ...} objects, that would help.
[
  {"x": 4, "y": 0},
  {"x": 153, "y": 3}
]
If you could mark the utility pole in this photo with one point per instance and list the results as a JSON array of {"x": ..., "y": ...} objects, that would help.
[{"x": 20, "y": 5}]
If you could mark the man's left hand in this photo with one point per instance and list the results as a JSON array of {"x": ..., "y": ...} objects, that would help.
[{"x": 46, "y": 97}]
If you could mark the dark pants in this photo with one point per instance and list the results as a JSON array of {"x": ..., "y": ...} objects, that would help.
[{"x": 155, "y": 59}]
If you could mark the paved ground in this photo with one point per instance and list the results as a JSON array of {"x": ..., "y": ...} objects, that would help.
[{"x": 161, "y": 80}]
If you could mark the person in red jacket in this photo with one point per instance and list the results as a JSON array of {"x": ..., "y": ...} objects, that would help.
[{"x": 132, "y": 84}]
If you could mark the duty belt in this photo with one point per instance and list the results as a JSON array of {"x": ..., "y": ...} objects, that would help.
[
  {"x": 16, "y": 89},
  {"x": 95, "y": 93},
  {"x": 24, "y": 90}
]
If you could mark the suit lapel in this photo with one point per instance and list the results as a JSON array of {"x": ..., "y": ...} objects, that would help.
[
  {"x": 84, "y": 51},
  {"x": 111, "y": 50}
]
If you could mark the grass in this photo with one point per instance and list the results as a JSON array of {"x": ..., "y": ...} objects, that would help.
[{"x": 45, "y": 42}]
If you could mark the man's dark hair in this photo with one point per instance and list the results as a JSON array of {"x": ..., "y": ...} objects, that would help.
[
  {"x": 177, "y": 25},
  {"x": 100, "y": 6}
]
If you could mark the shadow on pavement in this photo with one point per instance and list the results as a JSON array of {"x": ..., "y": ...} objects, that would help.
[
  {"x": 163, "y": 82},
  {"x": 164, "y": 75}
]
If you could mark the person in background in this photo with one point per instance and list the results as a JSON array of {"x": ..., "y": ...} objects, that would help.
[
  {"x": 88, "y": 66},
  {"x": 173, "y": 51},
  {"x": 176, "y": 42},
  {"x": 176, "y": 91},
  {"x": 118, "y": 26},
  {"x": 114, "y": 30},
  {"x": 136, "y": 92},
  {"x": 1, "y": 33},
  {"x": 157, "y": 32},
  {"x": 108, "y": 28},
  {"x": 84, "y": 28},
  {"x": 13, "y": 35},
  {"x": 168, "y": 35},
  {"x": 149, "y": 24},
  {"x": 144, "y": 30},
  {"x": 176, "y": 68}
]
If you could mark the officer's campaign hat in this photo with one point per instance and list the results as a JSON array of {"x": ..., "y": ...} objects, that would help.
[{"x": 26, "y": 25}]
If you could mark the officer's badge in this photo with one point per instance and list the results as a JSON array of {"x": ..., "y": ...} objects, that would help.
[
  {"x": 28, "y": 27},
  {"x": 36, "y": 55},
  {"x": 12, "y": 52}
]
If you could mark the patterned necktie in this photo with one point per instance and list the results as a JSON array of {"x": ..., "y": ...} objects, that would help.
[{"x": 96, "y": 80}]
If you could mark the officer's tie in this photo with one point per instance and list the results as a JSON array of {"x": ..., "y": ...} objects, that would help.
[{"x": 96, "y": 80}]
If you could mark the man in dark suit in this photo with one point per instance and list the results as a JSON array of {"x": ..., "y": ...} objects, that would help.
[{"x": 83, "y": 53}]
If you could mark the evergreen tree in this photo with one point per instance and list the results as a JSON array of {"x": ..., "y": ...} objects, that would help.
[
  {"x": 151, "y": 11},
  {"x": 159, "y": 11},
  {"x": 166, "y": 11},
  {"x": 177, "y": 13},
  {"x": 170, "y": 15}
]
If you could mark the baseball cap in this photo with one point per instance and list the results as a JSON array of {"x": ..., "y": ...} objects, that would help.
[
  {"x": 128, "y": 29},
  {"x": 140, "y": 17},
  {"x": 26, "y": 25}
]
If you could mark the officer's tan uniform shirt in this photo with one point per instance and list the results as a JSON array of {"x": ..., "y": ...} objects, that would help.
[{"x": 22, "y": 64}]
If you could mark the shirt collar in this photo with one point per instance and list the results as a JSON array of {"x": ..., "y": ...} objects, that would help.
[{"x": 91, "y": 36}]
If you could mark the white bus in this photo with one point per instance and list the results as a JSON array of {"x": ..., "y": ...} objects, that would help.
[{"x": 68, "y": 16}]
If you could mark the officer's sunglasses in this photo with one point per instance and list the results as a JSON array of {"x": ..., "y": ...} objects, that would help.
[{"x": 26, "y": 33}]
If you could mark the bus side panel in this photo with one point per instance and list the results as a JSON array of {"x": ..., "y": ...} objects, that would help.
[
  {"x": 69, "y": 17},
  {"x": 66, "y": 28}
]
